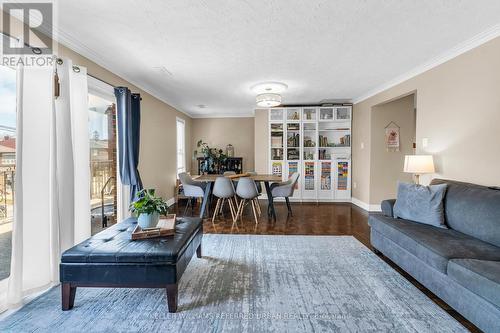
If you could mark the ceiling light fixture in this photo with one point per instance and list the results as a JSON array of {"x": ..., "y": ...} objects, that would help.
[
  {"x": 268, "y": 100},
  {"x": 268, "y": 93}
]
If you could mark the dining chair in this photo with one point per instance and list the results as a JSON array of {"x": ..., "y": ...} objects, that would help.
[
  {"x": 285, "y": 190},
  {"x": 247, "y": 191},
  {"x": 224, "y": 191},
  {"x": 259, "y": 189},
  {"x": 192, "y": 189}
]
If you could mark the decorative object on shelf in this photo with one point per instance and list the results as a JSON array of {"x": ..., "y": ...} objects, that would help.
[
  {"x": 213, "y": 158},
  {"x": 148, "y": 208},
  {"x": 326, "y": 176},
  {"x": 277, "y": 168},
  {"x": 230, "y": 150},
  {"x": 268, "y": 93},
  {"x": 392, "y": 136},
  {"x": 418, "y": 165}
]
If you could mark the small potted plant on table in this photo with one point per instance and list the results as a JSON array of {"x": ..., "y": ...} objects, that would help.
[{"x": 148, "y": 208}]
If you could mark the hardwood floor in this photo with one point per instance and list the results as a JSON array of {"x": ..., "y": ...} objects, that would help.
[{"x": 313, "y": 219}]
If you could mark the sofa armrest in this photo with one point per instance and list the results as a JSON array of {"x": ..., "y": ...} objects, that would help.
[{"x": 388, "y": 207}]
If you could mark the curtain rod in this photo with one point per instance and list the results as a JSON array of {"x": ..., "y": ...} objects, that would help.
[{"x": 95, "y": 77}]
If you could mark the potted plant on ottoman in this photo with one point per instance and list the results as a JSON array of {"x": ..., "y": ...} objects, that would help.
[{"x": 148, "y": 208}]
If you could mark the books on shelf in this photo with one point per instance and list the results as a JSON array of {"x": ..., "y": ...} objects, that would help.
[
  {"x": 293, "y": 154},
  {"x": 344, "y": 141},
  {"x": 309, "y": 176},
  {"x": 308, "y": 142},
  {"x": 343, "y": 175}
]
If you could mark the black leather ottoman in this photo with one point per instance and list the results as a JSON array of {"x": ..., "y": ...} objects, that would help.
[{"x": 111, "y": 259}]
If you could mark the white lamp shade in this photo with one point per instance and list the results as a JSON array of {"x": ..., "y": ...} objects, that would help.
[{"x": 419, "y": 164}]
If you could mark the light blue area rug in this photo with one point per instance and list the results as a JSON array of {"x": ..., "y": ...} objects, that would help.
[{"x": 248, "y": 283}]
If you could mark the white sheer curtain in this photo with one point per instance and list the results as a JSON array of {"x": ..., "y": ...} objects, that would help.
[
  {"x": 73, "y": 171},
  {"x": 52, "y": 208}
]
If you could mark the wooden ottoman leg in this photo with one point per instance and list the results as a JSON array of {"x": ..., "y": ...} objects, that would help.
[
  {"x": 68, "y": 293},
  {"x": 172, "y": 291},
  {"x": 198, "y": 251}
]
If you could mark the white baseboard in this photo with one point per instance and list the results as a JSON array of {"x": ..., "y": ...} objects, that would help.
[{"x": 366, "y": 206}]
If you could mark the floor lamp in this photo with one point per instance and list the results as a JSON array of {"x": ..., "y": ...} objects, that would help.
[{"x": 418, "y": 165}]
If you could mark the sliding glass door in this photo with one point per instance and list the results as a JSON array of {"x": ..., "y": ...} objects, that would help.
[
  {"x": 103, "y": 161},
  {"x": 7, "y": 164}
]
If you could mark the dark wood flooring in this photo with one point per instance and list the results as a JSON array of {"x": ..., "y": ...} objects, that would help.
[{"x": 313, "y": 219}]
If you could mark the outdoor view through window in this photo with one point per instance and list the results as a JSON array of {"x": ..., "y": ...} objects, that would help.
[
  {"x": 102, "y": 135},
  {"x": 7, "y": 164}
]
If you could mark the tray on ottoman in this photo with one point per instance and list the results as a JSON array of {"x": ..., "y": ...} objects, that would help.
[{"x": 112, "y": 259}]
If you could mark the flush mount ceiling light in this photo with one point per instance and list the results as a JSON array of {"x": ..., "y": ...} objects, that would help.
[
  {"x": 270, "y": 87},
  {"x": 268, "y": 93},
  {"x": 268, "y": 100}
]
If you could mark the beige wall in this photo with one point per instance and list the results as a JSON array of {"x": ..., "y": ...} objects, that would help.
[
  {"x": 157, "y": 160},
  {"x": 458, "y": 110},
  {"x": 219, "y": 132},
  {"x": 387, "y": 166},
  {"x": 261, "y": 141},
  {"x": 157, "y": 164}
]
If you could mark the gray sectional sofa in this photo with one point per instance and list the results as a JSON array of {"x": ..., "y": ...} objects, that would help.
[{"x": 461, "y": 265}]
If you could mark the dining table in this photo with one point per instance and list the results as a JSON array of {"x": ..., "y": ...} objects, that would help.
[{"x": 209, "y": 179}]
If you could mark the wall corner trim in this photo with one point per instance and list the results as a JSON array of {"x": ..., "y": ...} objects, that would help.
[{"x": 366, "y": 206}]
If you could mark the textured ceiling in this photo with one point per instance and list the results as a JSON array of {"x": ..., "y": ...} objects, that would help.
[{"x": 211, "y": 52}]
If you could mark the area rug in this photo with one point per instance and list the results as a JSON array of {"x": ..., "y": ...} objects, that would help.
[{"x": 249, "y": 283}]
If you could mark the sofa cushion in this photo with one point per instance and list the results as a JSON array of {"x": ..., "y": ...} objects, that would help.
[
  {"x": 435, "y": 246},
  {"x": 473, "y": 210},
  {"x": 423, "y": 204},
  {"x": 482, "y": 277},
  {"x": 114, "y": 245}
]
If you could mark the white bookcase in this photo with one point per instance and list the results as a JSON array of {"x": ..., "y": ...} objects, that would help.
[{"x": 316, "y": 142}]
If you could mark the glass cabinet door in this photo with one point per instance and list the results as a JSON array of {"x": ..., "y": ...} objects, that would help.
[
  {"x": 326, "y": 113},
  {"x": 309, "y": 114},
  {"x": 343, "y": 113},
  {"x": 277, "y": 141},
  {"x": 343, "y": 186},
  {"x": 276, "y": 114},
  {"x": 309, "y": 180}
]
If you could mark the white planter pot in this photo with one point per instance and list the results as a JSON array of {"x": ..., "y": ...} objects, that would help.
[{"x": 148, "y": 220}]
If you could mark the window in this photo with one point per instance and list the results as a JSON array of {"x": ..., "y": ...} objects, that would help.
[
  {"x": 103, "y": 155},
  {"x": 181, "y": 146},
  {"x": 7, "y": 164}
]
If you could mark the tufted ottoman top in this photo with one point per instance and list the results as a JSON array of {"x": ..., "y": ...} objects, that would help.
[{"x": 114, "y": 245}]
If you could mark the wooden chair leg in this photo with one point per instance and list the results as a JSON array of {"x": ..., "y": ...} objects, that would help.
[
  {"x": 240, "y": 209},
  {"x": 257, "y": 204},
  {"x": 254, "y": 211},
  {"x": 231, "y": 208},
  {"x": 215, "y": 211},
  {"x": 221, "y": 207}
]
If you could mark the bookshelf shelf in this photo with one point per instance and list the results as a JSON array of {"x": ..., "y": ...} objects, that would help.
[{"x": 316, "y": 142}]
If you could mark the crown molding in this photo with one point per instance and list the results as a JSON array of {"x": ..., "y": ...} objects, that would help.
[
  {"x": 454, "y": 52},
  {"x": 85, "y": 51},
  {"x": 223, "y": 115}
]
